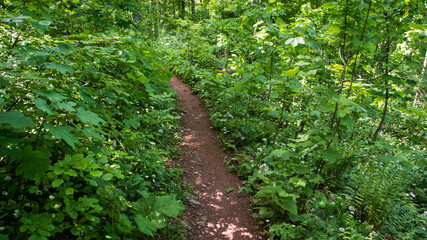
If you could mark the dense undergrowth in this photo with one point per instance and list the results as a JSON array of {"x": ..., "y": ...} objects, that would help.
[
  {"x": 323, "y": 100},
  {"x": 86, "y": 125}
]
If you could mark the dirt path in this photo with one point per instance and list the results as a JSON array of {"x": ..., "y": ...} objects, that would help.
[{"x": 214, "y": 214}]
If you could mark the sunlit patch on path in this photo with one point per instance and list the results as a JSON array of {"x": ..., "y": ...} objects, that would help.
[{"x": 213, "y": 213}]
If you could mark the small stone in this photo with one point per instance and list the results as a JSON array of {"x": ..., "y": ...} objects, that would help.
[{"x": 194, "y": 202}]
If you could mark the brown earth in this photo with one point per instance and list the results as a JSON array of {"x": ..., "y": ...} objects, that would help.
[{"x": 212, "y": 213}]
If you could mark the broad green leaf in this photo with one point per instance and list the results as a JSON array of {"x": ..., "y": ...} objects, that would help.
[
  {"x": 62, "y": 68},
  {"x": 51, "y": 95},
  {"x": 42, "y": 105},
  {"x": 63, "y": 132},
  {"x": 87, "y": 116},
  {"x": 279, "y": 154},
  {"x": 169, "y": 206},
  {"x": 265, "y": 213},
  {"x": 290, "y": 72},
  {"x": 295, "y": 41},
  {"x": 70, "y": 172},
  {"x": 331, "y": 155},
  {"x": 67, "y": 106},
  {"x": 32, "y": 162},
  {"x": 144, "y": 225},
  {"x": 69, "y": 191},
  {"x": 228, "y": 190},
  {"x": 298, "y": 182},
  {"x": 16, "y": 119},
  {"x": 290, "y": 204},
  {"x": 96, "y": 173},
  {"x": 107, "y": 176},
  {"x": 57, "y": 182}
]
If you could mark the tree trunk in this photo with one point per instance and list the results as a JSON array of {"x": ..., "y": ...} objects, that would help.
[
  {"x": 173, "y": 8},
  {"x": 418, "y": 88},
  {"x": 193, "y": 9},
  {"x": 386, "y": 92},
  {"x": 182, "y": 9}
]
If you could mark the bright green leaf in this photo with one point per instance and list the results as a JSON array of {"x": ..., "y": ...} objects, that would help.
[
  {"x": 87, "y": 116},
  {"x": 57, "y": 182},
  {"x": 16, "y": 120}
]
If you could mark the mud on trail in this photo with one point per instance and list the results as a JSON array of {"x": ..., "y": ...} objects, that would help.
[{"x": 213, "y": 213}]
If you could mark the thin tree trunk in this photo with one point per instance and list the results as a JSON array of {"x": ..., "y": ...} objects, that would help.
[
  {"x": 173, "y": 8},
  {"x": 386, "y": 92},
  {"x": 418, "y": 88},
  {"x": 193, "y": 9}
]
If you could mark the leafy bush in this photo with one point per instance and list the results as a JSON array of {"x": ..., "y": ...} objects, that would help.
[{"x": 86, "y": 127}]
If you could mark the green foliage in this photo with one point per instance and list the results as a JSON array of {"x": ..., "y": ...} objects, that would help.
[
  {"x": 86, "y": 124},
  {"x": 324, "y": 102}
]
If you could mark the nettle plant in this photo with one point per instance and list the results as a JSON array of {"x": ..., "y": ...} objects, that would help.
[{"x": 86, "y": 127}]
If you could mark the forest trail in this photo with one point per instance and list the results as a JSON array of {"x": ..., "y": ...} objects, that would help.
[{"x": 214, "y": 214}]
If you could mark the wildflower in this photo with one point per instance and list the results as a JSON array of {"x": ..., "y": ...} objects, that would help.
[
  {"x": 259, "y": 149},
  {"x": 153, "y": 176},
  {"x": 425, "y": 213},
  {"x": 263, "y": 167},
  {"x": 16, "y": 213},
  {"x": 146, "y": 176},
  {"x": 412, "y": 195},
  {"x": 4, "y": 193},
  {"x": 267, "y": 220},
  {"x": 7, "y": 178},
  {"x": 302, "y": 162},
  {"x": 332, "y": 203},
  {"x": 243, "y": 138},
  {"x": 160, "y": 131},
  {"x": 264, "y": 139},
  {"x": 251, "y": 161},
  {"x": 342, "y": 230},
  {"x": 51, "y": 197}
]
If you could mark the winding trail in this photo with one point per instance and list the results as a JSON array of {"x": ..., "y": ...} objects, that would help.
[{"x": 213, "y": 213}]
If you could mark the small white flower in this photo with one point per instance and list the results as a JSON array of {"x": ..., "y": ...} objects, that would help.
[
  {"x": 293, "y": 225},
  {"x": 153, "y": 176},
  {"x": 146, "y": 176},
  {"x": 259, "y": 149},
  {"x": 160, "y": 131},
  {"x": 342, "y": 230},
  {"x": 51, "y": 197},
  {"x": 425, "y": 213},
  {"x": 332, "y": 203},
  {"x": 264, "y": 139},
  {"x": 267, "y": 220},
  {"x": 412, "y": 195},
  {"x": 243, "y": 138},
  {"x": 16, "y": 213},
  {"x": 251, "y": 161},
  {"x": 263, "y": 167},
  {"x": 4, "y": 193},
  {"x": 7, "y": 178}
]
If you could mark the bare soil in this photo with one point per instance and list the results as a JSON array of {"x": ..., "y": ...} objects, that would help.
[{"x": 212, "y": 212}]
